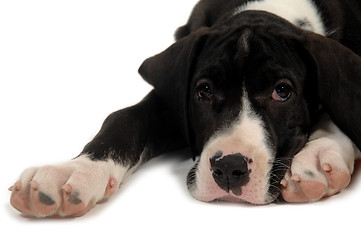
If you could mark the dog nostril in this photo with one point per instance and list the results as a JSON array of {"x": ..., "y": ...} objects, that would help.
[
  {"x": 218, "y": 172},
  {"x": 230, "y": 172},
  {"x": 238, "y": 173}
]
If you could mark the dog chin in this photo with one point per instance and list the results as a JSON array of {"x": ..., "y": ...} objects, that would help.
[
  {"x": 230, "y": 197},
  {"x": 204, "y": 187},
  {"x": 208, "y": 191},
  {"x": 236, "y": 199}
]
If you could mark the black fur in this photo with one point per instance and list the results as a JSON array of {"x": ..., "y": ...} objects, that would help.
[
  {"x": 208, "y": 48},
  {"x": 137, "y": 133}
]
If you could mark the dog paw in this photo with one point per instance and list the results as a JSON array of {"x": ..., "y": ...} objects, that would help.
[
  {"x": 70, "y": 189},
  {"x": 319, "y": 170}
]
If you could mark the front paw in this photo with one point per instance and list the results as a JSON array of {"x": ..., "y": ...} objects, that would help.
[
  {"x": 319, "y": 170},
  {"x": 70, "y": 189}
]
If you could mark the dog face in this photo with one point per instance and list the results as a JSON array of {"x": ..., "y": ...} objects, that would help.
[
  {"x": 246, "y": 96},
  {"x": 249, "y": 114}
]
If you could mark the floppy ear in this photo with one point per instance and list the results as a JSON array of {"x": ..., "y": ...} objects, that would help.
[
  {"x": 170, "y": 73},
  {"x": 339, "y": 83}
]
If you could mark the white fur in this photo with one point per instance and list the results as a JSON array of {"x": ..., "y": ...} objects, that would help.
[
  {"x": 91, "y": 177},
  {"x": 291, "y": 10},
  {"x": 86, "y": 177},
  {"x": 327, "y": 145},
  {"x": 328, "y": 137},
  {"x": 248, "y": 137}
]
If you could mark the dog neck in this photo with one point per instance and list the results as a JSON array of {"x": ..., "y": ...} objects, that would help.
[{"x": 302, "y": 13}]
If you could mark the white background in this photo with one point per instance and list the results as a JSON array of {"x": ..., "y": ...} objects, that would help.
[{"x": 64, "y": 66}]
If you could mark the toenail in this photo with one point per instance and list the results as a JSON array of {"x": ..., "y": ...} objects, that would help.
[
  {"x": 34, "y": 185},
  {"x": 284, "y": 183},
  {"x": 45, "y": 199},
  {"x": 67, "y": 188},
  {"x": 111, "y": 183},
  {"x": 17, "y": 186},
  {"x": 327, "y": 167},
  {"x": 296, "y": 178}
]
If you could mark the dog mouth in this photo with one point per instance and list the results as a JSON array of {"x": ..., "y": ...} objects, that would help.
[{"x": 239, "y": 182}]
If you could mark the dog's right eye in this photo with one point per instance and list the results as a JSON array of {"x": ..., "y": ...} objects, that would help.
[
  {"x": 204, "y": 91},
  {"x": 282, "y": 92}
]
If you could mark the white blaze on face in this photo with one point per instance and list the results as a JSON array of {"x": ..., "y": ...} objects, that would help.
[
  {"x": 246, "y": 136},
  {"x": 292, "y": 11}
]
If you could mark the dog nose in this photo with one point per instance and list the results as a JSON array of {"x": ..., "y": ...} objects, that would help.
[{"x": 230, "y": 172}]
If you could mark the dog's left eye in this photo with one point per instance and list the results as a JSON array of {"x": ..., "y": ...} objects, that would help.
[
  {"x": 204, "y": 91},
  {"x": 282, "y": 92}
]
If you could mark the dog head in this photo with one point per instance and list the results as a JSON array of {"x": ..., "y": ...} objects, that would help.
[{"x": 247, "y": 92}]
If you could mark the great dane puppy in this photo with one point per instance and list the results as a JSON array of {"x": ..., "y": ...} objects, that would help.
[{"x": 266, "y": 94}]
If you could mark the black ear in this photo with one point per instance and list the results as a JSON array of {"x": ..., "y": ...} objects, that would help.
[
  {"x": 170, "y": 73},
  {"x": 339, "y": 83}
]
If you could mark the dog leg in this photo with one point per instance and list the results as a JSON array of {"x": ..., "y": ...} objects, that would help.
[
  {"x": 323, "y": 167},
  {"x": 127, "y": 138}
]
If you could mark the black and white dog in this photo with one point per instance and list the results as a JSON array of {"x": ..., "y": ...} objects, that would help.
[{"x": 259, "y": 90}]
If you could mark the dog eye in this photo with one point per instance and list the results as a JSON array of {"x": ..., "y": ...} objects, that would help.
[
  {"x": 204, "y": 91},
  {"x": 282, "y": 92}
]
